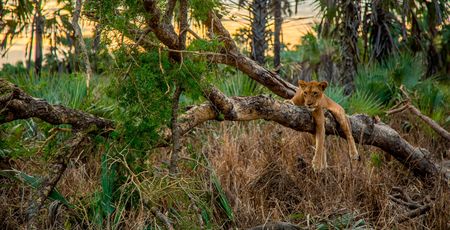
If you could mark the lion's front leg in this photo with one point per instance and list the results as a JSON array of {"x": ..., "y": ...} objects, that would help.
[
  {"x": 343, "y": 121},
  {"x": 319, "y": 161}
]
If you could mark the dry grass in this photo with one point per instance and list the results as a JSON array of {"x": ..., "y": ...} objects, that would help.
[{"x": 265, "y": 172}]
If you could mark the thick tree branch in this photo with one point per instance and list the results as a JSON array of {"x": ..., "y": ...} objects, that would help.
[
  {"x": 163, "y": 31},
  {"x": 176, "y": 146},
  {"x": 255, "y": 71},
  {"x": 168, "y": 15},
  {"x": 166, "y": 34},
  {"x": 365, "y": 129},
  {"x": 15, "y": 104}
]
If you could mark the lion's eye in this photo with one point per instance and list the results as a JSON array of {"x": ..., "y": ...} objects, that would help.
[{"x": 315, "y": 93}]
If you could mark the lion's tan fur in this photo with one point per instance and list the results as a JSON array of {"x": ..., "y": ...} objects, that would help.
[{"x": 311, "y": 94}]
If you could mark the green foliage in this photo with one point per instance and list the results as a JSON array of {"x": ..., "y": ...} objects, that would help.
[
  {"x": 432, "y": 99},
  {"x": 35, "y": 182},
  {"x": 239, "y": 85},
  {"x": 25, "y": 131},
  {"x": 144, "y": 93},
  {"x": 382, "y": 82},
  {"x": 376, "y": 159},
  {"x": 312, "y": 49},
  {"x": 336, "y": 93},
  {"x": 221, "y": 198},
  {"x": 103, "y": 205},
  {"x": 204, "y": 45},
  {"x": 69, "y": 90},
  {"x": 200, "y": 8},
  {"x": 345, "y": 221},
  {"x": 365, "y": 102}
]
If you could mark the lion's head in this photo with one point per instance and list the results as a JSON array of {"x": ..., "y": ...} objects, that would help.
[{"x": 312, "y": 92}]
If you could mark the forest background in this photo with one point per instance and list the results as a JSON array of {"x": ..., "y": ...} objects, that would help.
[{"x": 136, "y": 152}]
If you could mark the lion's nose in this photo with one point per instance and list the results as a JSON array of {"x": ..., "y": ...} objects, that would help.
[{"x": 309, "y": 104}]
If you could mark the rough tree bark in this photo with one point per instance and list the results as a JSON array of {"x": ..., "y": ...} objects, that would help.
[
  {"x": 276, "y": 35},
  {"x": 15, "y": 104},
  {"x": 39, "y": 30},
  {"x": 259, "y": 20},
  {"x": 350, "y": 11}
]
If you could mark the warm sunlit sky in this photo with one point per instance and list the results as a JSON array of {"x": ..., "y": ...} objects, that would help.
[{"x": 291, "y": 32}]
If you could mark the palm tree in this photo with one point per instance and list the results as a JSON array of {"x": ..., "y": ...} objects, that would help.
[
  {"x": 382, "y": 28},
  {"x": 277, "y": 33},
  {"x": 259, "y": 9},
  {"x": 349, "y": 11},
  {"x": 341, "y": 21},
  {"x": 39, "y": 21},
  {"x": 279, "y": 7},
  {"x": 29, "y": 17}
]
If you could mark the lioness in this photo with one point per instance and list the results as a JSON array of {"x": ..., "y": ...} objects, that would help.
[{"x": 310, "y": 94}]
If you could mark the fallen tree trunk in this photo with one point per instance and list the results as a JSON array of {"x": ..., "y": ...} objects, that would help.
[{"x": 366, "y": 130}]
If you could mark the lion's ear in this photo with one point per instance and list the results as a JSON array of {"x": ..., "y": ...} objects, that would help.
[
  {"x": 302, "y": 83},
  {"x": 323, "y": 85}
]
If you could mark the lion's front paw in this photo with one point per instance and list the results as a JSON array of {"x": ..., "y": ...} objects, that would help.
[
  {"x": 288, "y": 102},
  {"x": 318, "y": 166},
  {"x": 356, "y": 157}
]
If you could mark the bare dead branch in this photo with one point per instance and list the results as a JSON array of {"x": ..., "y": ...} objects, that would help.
[
  {"x": 163, "y": 218},
  {"x": 176, "y": 146},
  {"x": 407, "y": 105},
  {"x": 414, "y": 213},
  {"x": 15, "y": 104},
  {"x": 435, "y": 126},
  {"x": 399, "y": 109},
  {"x": 410, "y": 205},
  {"x": 276, "y": 226}
]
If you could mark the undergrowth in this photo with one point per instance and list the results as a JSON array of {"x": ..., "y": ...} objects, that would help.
[{"x": 232, "y": 175}]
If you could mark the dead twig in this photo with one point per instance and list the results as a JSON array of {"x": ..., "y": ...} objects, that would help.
[
  {"x": 276, "y": 226},
  {"x": 412, "y": 214},
  {"x": 163, "y": 218},
  {"x": 404, "y": 199},
  {"x": 407, "y": 105},
  {"x": 53, "y": 133}
]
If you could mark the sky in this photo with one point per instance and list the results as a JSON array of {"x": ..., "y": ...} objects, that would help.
[{"x": 292, "y": 30}]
